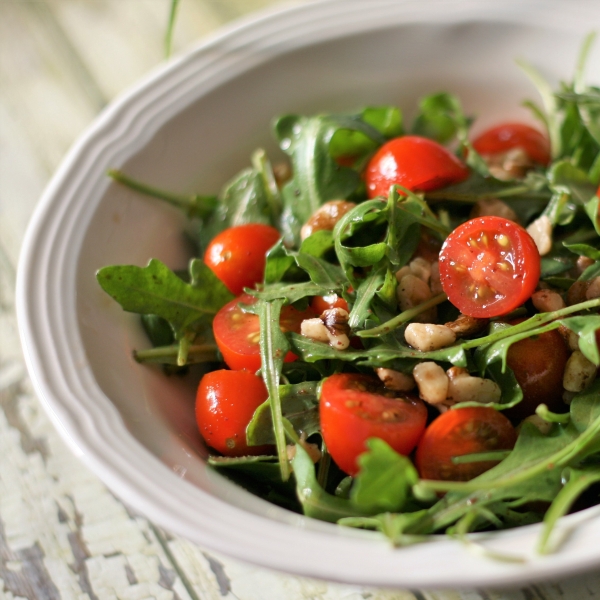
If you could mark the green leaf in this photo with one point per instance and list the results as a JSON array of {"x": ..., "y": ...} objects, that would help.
[
  {"x": 586, "y": 327},
  {"x": 440, "y": 117},
  {"x": 315, "y": 501},
  {"x": 317, "y": 177},
  {"x": 385, "y": 479},
  {"x": 247, "y": 198},
  {"x": 299, "y": 405},
  {"x": 156, "y": 290},
  {"x": 273, "y": 348}
]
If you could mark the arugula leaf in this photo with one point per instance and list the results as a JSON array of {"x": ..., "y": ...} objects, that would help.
[
  {"x": 385, "y": 479},
  {"x": 315, "y": 501},
  {"x": 247, "y": 198},
  {"x": 317, "y": 177},
  {"x": 156, "y": 290},
  {"x": 273, "y": 348},
  {"x": 299, "y": 405}
]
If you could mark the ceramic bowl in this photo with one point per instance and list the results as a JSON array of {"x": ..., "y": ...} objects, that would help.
[{"x": 188, "y": 127}]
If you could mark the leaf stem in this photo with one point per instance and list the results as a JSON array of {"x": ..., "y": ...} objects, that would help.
[
  {"x": 193, "y": 206},
  {"x": 170, "y": 28},
  {"x": 197, "y": 353},
  {"x": 403, "y": 317}
]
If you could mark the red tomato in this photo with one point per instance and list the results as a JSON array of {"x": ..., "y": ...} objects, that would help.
[
  {"x": 225, "y": 403},
  {"x": 505, "y": 137},
  {"x": 459, "y": 432},
  {"x": 237, "y": 255},
  {"x": 489, "y": 266},
  {"x": 539, "y": 365},
  {"x": 417, "y": 163},
  {"x": 357, "y": 407},
  {"x": 237, "y": 333},
  {"x": 322, "y": 303}
]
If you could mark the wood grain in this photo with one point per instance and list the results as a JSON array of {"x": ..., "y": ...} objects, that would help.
[{"x": 63, "y": 535}]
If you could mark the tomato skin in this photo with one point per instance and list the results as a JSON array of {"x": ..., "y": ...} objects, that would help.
[
  {"x": 354, "y": 409},
  {"x": 237, "y": 255},
  {"x": 507, "y": 136},
  {"x": 458, "y": 432},
  {"x": 225, "y": 403},
  {"x": 417, "y": 163},
  {"x": 319, "y": 304},
  {"x": 539, "y": 365},
  {"x": 489, "y": 266},
  {"x": 237, "y": 333}
]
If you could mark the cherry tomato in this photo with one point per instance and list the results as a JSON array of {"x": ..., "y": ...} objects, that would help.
[
  {"x": 237, "y": 333},
  {"x": 322, "y": 303},
  {"x": 357, "y": 407},
  {"x": 539, "y": 365},
  {"x": 417, "y": 163},
  {"x": 237, "y": 255},
  {"x": 507, "y": 136},
  {"x": 225, "y": 403},
  {"x": 458, "y": 432},
  {"x": 489, "y": 266}
]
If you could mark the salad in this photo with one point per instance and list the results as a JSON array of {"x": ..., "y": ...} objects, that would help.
[{"x": 397, "y": 326}]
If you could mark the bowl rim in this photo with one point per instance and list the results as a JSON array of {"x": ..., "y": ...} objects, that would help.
[{"x": 85, "y": 417}]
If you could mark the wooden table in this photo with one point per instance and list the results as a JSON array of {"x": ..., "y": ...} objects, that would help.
[{"x": 62, "y": 533}]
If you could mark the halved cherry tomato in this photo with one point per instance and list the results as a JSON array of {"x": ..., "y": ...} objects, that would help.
[
  {"x": 489, "y": 266},
  {"x": 225, "y": 403},
  {"x": 417, "y": 163},
  {"x": 237, "y": 255},
  {"x": 237, "y": 333},
  {"x": 459, "y": 432},
  {"x": 356, "y": 407},
  {"x": 507, "y": 136},
  {"x": 322, "y": 303},
  {"x": 539, "y": 365}
]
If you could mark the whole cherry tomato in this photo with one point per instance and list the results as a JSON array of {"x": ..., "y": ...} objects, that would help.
[
  {"x": 539, "y": 365},
  {"x": 322, "y": 303},
  {"x": 356, "y": 407},
  {"x": 237, "y": 333},
  {"x": 489, "y": 266},
  {"x": 237, "y": 255},
  {"x": 417, "y": 163},
  {"x": 225, "y": 403},
  {"x": 459, "y": 432},
  {"x": 507, "y": 136}
]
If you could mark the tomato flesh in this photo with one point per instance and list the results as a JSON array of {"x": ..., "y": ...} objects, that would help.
[
  {"x": 356, "y": 407},
  {"x": 508, "y": 136},
  {"x": 237, "y": 255},
  {"x": 225, "y": 404},
  {"x": 489, "y": 266},
  {"x": 237, "y": 333},
  {"x": 417, "y": 163},
  {"x": 460, "y": 432}
]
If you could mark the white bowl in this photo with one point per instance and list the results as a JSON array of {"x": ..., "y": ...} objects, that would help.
[{"x": 189, "y": 126}]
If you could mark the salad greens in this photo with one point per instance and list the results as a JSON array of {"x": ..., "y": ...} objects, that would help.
[{"x": 549, "y": 468}]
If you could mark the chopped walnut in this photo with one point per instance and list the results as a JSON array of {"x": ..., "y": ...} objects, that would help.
[
  {"x": 512, "y": 164},
  {"x": 326, "y": 216},
  {"x": 465, "y": 326}
]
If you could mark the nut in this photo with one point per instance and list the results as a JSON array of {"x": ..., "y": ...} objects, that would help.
[
  {"x": 547, "y": 300},
  {"x": 427, "y": 336},
  {"x": 432, "y": 382},
  {"x": 466, "y": 388},
  {"x": 493, "y": 207},
  {"x": 579, "y": 373},
  {"x": 395, "y": 380},
  {"x": 541, "y": 232},
  {"x": 593, "y": 290},
  {"x": 314, "y": 329},
  {"x": 326, "y": 216},
  {"x": 465, "y": 326}
]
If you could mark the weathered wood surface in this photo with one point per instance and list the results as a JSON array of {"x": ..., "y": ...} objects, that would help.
[{"x": 62, "y": 533}]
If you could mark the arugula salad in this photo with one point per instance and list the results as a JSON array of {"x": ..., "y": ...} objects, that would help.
[{"x": 398, "y": 324}]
